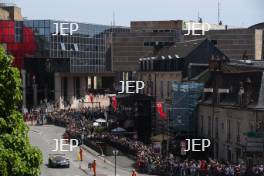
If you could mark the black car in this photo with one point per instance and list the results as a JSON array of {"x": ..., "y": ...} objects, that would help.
[{"x": 58, "y": 160}]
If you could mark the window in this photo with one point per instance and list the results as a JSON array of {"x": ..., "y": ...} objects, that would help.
[
  {"x": 216, "y": 127},
  {"x": 209, "y": 127},
  {"x": 168, "y": 89},
  {"x": 214, "y": 42},
  {"x": 228, "y": 130},
  {"x": 161, "y": 89},
  {"x": 63, "y": 46},
  {"x": 238, "y": 131},
  {"x": 202, "y": 121},
  {"x": 75, "y": 47}
]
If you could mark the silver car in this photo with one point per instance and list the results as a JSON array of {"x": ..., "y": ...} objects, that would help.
[{"x": 58, "y": 160}]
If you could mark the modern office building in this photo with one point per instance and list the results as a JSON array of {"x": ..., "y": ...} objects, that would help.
[
  {"x": 246, "y": 43},
  {"x": 78, "y": 62},
  {"x": 61, "y": 67}
]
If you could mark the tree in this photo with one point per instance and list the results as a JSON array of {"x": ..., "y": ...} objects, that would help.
[{"x": 17, "y": 156}]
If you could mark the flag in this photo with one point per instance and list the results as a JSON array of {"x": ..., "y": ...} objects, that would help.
[
  {"x": 159, "y": 108},
  {"x": 91, "y": 98},
  {"x": 114, "y": 103}
]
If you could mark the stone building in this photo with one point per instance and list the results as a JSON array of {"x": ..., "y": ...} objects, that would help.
[{"x": 231, "y": 113}]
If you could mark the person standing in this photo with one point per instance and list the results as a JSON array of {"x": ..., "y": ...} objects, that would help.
[
  {"x": 134, "y": 173},
  {"x": 94, "y": 167},
  {"x": 81, "y": 154}
]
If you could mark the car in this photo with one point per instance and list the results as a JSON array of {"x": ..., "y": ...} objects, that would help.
[{"x": 58, "y": 161}]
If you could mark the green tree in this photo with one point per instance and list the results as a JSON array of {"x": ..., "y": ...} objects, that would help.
[{"x": 17, "y": 156}]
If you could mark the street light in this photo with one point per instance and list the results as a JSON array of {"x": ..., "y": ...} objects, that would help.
[
  {"x": 82, "y": 135},
  {"x": 115, "y": 152}
]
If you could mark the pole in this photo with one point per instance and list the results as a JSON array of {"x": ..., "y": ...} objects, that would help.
[{"x": 115, "y": 163}]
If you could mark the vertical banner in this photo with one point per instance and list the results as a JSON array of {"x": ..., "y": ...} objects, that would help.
[
  {"x": 159, "y": 108},
  {"x": 114, "y": 103},
  {"x": 91, "y": 98}
]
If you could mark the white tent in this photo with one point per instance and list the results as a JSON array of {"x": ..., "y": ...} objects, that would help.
[
  {"x": 95, "y": 124},
  {"x": 100, "y": 120}
]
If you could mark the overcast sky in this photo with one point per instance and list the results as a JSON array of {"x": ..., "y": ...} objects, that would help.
[{"x": 233, "y": 12}]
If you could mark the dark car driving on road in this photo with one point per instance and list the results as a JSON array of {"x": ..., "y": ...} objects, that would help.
[{"x": 58, "y": 160}]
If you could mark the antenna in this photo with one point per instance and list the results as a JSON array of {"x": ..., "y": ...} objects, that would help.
[
  {"x": 114, "y": 18},
  {"x": 218, "y": 11},
  {"x": 198, "y": 15}
]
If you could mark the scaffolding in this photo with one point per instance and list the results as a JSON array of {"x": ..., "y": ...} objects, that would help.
[{"x": 185, "y": 98}]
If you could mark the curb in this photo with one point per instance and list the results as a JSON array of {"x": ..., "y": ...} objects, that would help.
[{"x": 96, "y": 154}]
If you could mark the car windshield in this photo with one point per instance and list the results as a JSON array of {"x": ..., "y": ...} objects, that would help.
[{"x": 59, "y": 158}]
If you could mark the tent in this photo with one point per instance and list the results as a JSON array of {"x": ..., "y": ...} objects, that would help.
[
  {"x": 118, "y": 129},
  {"x": 100, "y": 120},
  {"x": 95, "y": 124}
]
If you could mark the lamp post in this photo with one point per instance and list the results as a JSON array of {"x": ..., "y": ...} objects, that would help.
[
  {"x": 115, "y": 152},
  {"x": 82, "y": 135}
]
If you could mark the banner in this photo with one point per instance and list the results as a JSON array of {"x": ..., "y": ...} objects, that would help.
[
  {"x": 114, "y": 103},
  {"x": 91, "y": 98},
  {"x": 159, "y": 108}
]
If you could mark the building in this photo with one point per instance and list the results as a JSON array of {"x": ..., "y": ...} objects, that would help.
[
  {"x": 59, "y": 68},
  {"x": 180, "y": 62},
  {"x": 76, "y": 63},
  {"x": 9, "y": 11},
  {"x": 231, "y": 112},
  {"x": 246, "y": 43}
]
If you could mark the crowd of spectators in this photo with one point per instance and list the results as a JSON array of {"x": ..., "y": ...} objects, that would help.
[{"x": 147, "y": 160}]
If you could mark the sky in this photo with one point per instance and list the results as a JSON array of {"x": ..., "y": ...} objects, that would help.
[{"x": 242, "y": 13}]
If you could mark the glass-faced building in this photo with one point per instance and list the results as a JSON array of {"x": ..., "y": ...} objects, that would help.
[
  {"x": 60, "y": 60},
  {"x": 83, "y": 49}
]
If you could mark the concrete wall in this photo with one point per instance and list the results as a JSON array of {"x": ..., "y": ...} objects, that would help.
[
  {"x": 156, "y": 25},
  {"x": 4, "y": 15},
  {"x": 234, "y": 42},
  {"x": 14, "y": 13},
  {"x": 259, "y": 44},
  {"x": 128, "y": 47}
]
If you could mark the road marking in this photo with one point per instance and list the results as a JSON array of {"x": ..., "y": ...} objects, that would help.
[{"x": 35, "y": 131}]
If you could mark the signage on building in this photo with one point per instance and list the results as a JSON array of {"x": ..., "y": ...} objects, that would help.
[
  {"x": 254, "y": 141},
  {"x": 208, "y": 90},
  {"x": 223, "y": 90}
]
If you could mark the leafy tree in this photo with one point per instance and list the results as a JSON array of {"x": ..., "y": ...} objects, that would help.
[{"x": 17, "y": 156}]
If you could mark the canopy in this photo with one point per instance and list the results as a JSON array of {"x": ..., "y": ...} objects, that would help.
[
  {"x": 100, "y": 120},
  {"x": 95, "y": 124},
  {"x": 118, "y": 129}
]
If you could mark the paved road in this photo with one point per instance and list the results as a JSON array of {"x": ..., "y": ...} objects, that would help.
[{"x": 42, "y": 137}]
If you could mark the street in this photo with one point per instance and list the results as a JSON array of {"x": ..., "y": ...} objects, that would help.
[{"x": 42, "y": 137}]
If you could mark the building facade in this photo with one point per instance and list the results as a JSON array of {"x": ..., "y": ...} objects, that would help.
[{"x": 231, "y": 112}]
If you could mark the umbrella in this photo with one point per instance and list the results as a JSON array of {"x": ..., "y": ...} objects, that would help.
[
  {"x": 100, "y": 120},
  {"x": 118, "y": 129},
  {"x": 95, "y": 124}
]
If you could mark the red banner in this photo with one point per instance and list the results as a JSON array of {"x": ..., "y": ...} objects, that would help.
[
  {"x": 91, "y": 98},
  {"x": 114, "y": 103},
  {"x": 159, "y": 108}
]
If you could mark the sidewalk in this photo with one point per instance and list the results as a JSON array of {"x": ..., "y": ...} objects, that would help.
[
  {"x": 104, "y": 166},
  {"x": 88, "y": 156}
]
